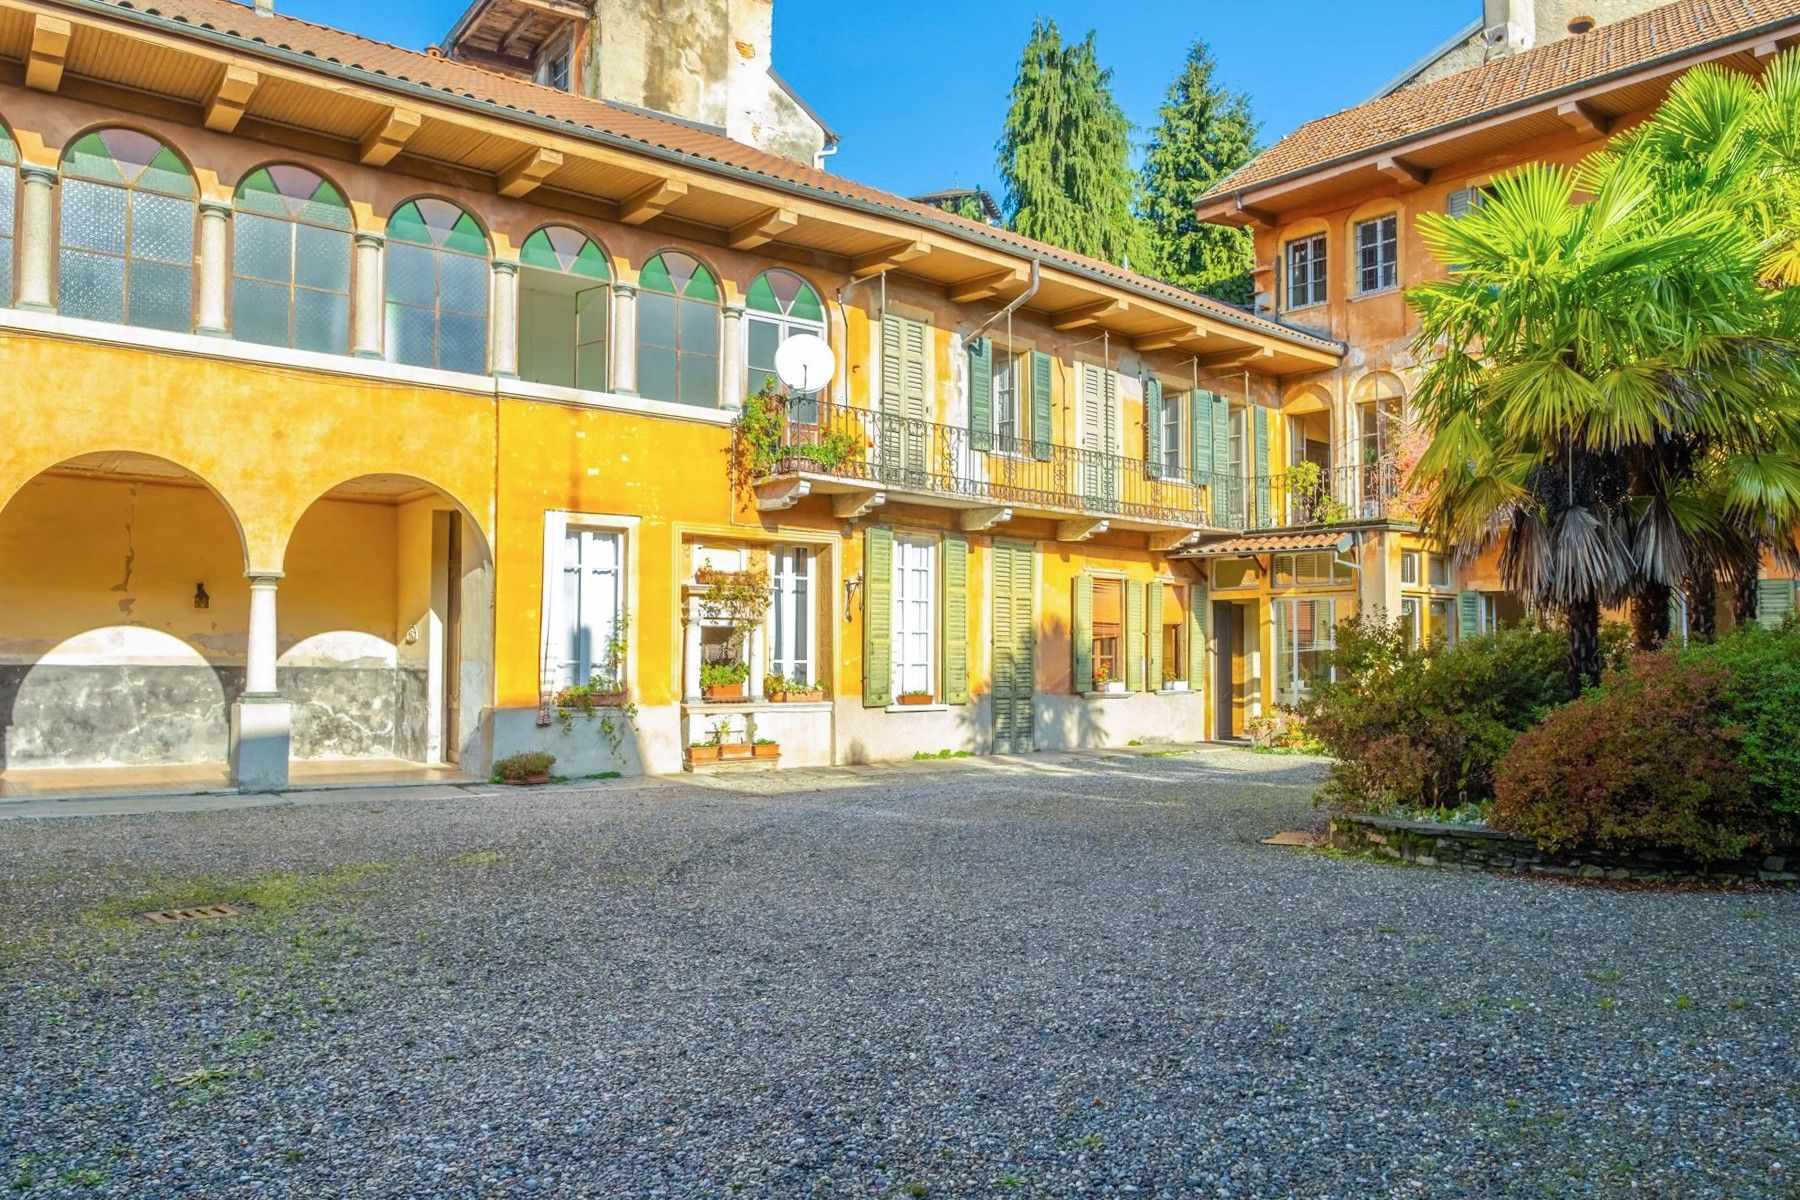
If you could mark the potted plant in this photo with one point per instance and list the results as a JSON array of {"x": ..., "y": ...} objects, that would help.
[
  {"x": 526, "y": 767},
  {"x": 1103, "y": 680},
  {"x": 703, "y": 752},
  {"x": 915, "y": 698},
  {"x": 732, "y": 746},
  {"x": 723, "y": 681},
  {"x": 766, "y": 748},
  {"x": 782, "y": 690},
  {"x": 1173, "y": 684},
  {"x": 738, "y": 600}
]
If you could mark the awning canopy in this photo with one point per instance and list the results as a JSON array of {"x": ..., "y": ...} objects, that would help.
[{"x": 1271, "y": 543}]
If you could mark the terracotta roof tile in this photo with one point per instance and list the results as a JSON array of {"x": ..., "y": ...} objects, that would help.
[
  {"x": 239, "y": 22},
  {"x": 1268, "y": 543},
  {"x": 1517, "y": 78}
]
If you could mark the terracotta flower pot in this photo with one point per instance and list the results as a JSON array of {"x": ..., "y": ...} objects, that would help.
[
  {"x": 808, "y": 697},
  {"x": 731, "y": 751},
  {"x": 703, "y": 754},
  {"x": 528, "y": 780},
  {"x": 915, "y": 699},
  {"x": 722, "y": 692},
  {"x": 768, "y": 751}
]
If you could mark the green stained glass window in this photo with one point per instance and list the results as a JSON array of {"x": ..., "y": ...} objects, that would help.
[
  {"x": 676, "y": 274},
  {"x": 569, "y": 251},
  {"x": 678, "y": 331},
  {"x": 127, "y": 158},
  {"x": 432, "y": 222},
  {"x": 9, "y": 150},
  {"x": 291, "y": 261},
  {"x": 295, "y": 194},
  {"x": 785, "y": 294},
  {"x": 778, "y": 306},
  {"x": 437, "y": 287},
  {"x": 9, "y": 190}
]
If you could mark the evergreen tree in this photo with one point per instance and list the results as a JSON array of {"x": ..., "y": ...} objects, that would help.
[
  {"x": 1204, "y": 132},
  {"x": 1065, "y": 154}
]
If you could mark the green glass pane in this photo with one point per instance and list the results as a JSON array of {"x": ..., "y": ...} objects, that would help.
[
  {"x": 326, "y": 206},
  {"x": 408, "y": 225},
  {"x": 590, "y": 262},
  {"x": 761, "y": 297},
  {"x": 166, "y": 173},
  {"x": 538, "y": 252},
  {"x": 806, "y": 305},
  {"x": 89, "y": 158},
  {"x": 9, "y": 153},
  {"x": 655, "y": 277},
  {"x": 466, "y": 236},
  {"x": 701, "y": 286}
]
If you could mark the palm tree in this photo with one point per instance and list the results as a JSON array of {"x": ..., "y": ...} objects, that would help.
[{"x": 1584, "y": 364}]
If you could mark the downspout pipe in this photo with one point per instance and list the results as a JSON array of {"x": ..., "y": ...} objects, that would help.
[{"x": 1017, "y": 303}]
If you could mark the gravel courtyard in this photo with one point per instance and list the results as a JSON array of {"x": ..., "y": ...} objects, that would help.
[{"x": 1076, "y": 975}]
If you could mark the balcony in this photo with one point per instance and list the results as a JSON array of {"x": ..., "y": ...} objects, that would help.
[{"x": 861, "y": 458}]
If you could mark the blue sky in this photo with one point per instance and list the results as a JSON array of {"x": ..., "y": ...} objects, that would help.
[{"x": 918, "y": 90}]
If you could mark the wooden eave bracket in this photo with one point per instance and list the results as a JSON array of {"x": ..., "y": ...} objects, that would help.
[
  {"x": 1083, "y": 315},
  {"x": 1764, "y": 51},
  {"x": 980, "y": 520},
  {"x": 388, "y": 136},
  {"x": 649, "y": 203},
  {"x": 779, "y": 494},
  {"x": 225, "y": 108},
  {"x": 983, "y": 287},
  {"x": 856, "y": 505},
  {"x": 49, "y": 51},
  {"x": 1164, "y": 339},
  {"x": 1080, "y": 531},
  {"x": 895, "y": 254},
  {"x": 1162, "y": 543},
  {"x": 762, "y": 229},
  {"x": 1584, "y": 118},
  {"x": 1236, "y": 358},
  {"x": 1402, "y": 173},
  {"x": 525, "y": 175}
]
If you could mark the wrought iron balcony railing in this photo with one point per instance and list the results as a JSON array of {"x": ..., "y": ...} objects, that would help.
[{"x": 906, "y": 454}]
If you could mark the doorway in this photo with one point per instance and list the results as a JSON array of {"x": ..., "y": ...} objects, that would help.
[{"x": 1237, "y": 688}]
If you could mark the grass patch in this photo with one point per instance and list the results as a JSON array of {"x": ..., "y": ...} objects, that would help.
[
  {"x": 272, "y": 894},
  {"x": 927, "y": 755},
  {"x": 478, "y": 858},
  {"x": 597, "y": 775}
]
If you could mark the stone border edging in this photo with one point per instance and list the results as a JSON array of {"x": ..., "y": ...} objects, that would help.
[{"x": 1476, "y": 847}]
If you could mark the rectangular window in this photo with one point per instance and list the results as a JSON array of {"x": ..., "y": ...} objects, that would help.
[
  {"x": 1490, "y": 612},
  {"x": 1409, "y": 567},
  {"x": 1235, "y": 573},
  {"x": 1306, "y": 272},
  {"x": 1443, "y": 621},
  {"x": 1377, "y": 254},
  {"x": 1305, "y": 635},
  {"x": 1379, "y": 422},
  {"x": 563, "y": 322},
  {"x": 1008, "y": 424},
  {"x": 1109, "y": 630},
  {"x": 587, "y": 634},
  {"x": 1409, "y": 620},
  {"x": 1312, "y": 569},
  {"x": 791, "y": 647},
  {"x": 1174, "y": 404},
  {"x": 915, "y": 616},
  {"x": 1174, "y": 635},
  {"x": 1440, "y": 571},
  {"x": 553, "y": 65}
]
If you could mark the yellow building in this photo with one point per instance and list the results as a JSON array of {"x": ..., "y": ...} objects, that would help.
[
  {"x": 1334, "y": 209},
  {"x": 360, "y": 403}
]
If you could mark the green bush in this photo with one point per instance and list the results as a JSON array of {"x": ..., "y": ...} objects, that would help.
[
  {"x": 1647, "y": 761},
  {"x": 1762, "y": 700},
  {"x": 1418, "y": 730}
]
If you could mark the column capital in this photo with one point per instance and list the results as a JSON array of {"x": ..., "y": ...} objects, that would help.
[
  {"x": 266, "y": 579},
  {"x": 368, "y": 237},
  {"x": 621, "y": 288},
  {"x": 33, "y": 173},
  {"x": 734, "y": 309},
  {"x": 505, "y": 266},
  {"x": 212, "y": 207}
]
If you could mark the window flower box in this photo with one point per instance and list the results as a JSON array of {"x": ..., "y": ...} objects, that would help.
[
  {"x": 734, "y": 751},
  {"x": 763, "y": 748},
  {"x": 722, "y": 693},
  {"x": 703, "y": 752},
  {"x": 1112, "y": 687},
  {"x": 915, "y": 699},
  {"x": 1175, "y": 685}
]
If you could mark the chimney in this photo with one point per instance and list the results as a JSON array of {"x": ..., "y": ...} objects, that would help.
[
  {"x": 1508, "y": 26},
  {"x": 265, "y": 8}
]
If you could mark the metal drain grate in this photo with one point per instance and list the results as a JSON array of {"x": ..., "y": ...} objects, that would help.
[{"x": 206, "y": 912}]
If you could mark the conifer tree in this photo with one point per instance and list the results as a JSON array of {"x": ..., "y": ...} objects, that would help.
[
  {"x": 1065, "y": 153},
  {"x": 1204, "y": 132}
]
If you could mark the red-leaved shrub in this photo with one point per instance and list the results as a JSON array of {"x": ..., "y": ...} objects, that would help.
[{"x": 1647, "y": 762}]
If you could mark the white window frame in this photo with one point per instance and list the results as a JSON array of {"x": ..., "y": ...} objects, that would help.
[
  {"x": 1436, "y": 564},
  {"x": 1411, "y": 621},
  {"x": 556, "y": 58},
  {"x": 1005, "y": 401},
  {"x": 1379, "y": 236},
  {"x": 1288, "y": 649},
  {"x": 556, "y": 670},
  {"x": 1174, "y": 443},
  {"x": 1312, "y": 253},
  {"x": 914, "y": 648},
  {"x": 1409, "y": 568},
  {"x": 786, "y": 327},
  {"x": 796, "y": 592}
]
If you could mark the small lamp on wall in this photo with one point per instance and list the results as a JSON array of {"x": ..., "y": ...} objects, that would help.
[
  {"x": 852, "y": 585},
  {"x": 201, "y": 599}
]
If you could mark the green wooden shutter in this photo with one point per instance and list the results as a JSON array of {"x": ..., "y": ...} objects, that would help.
[
  {"x": 893, "y": 370},
  {"x": 1153, "y": 414},
  {"x": 1133, "y": 644},
  {"x": 1774, "y": 601},
  {"x": 1460, "y": 202},
  {"x": 1200, "y": 438},
  {"x": 1260, "y": 498},
  {"x": 1221, "y": 433},
  {"x": 1153, "y": 636},
  {"x": 956, "y": 620},
  {"x": 1042, "y": 435},
  {"x": 1468, "y": 614},
  {"x": 1081, "y": 633},
  {"x": 981, "y": 394},
  {"x": 1196, "y": 637},
  {"x": 878, "y": 617}
]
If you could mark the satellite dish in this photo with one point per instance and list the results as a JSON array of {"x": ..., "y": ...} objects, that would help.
[{"x": 804, "y": 363}]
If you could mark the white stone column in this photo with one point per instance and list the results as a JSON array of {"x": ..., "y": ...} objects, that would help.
[
  {"x": 260, "y": 719},
  {"x": 37, "y": 252},
  {"x": 503, "y": 340},
  {"x": 368, "y": 307},
  {"x": 215, "y": 218},
  {"x": 690, "y": 659},
  {"x": 731, "y": 361},
  {"x": 754, "y": 685},
  {"x": 624, "y": 343}
]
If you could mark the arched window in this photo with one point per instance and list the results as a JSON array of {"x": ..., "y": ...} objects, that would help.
[
  {"x": 564, "y": 289},
  {"x": 678, "y": 331},
  {"x": 9, "y": 194},
  {"x": 127, "y": 250},
  {"x": 290, "y": 261},
  {"x": 437, "y": 287},
  {"x": 779, "y": 305}
]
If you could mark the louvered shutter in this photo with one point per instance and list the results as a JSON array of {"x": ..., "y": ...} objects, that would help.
[
  {"x": 1134, "y": 636},
  {"x": 1774, "y": 601},
  {"x": 878, "y": 617},
  {"x": 1196, "y": 636},
  {"x": 1153, "y": 422},
  {"x": 981, "y": 394},
  {"x": 1460, "y": 202},
  {"x": 1468, "y": 614},
  {"x": 1081, "y": 633},
  {"x": 893, "y": 393},
  {"x": 956, "y": 620},
  {"x": 1153, "y": 636},
  {"x": 1200, "y": 439},
  {"x": 1042, "y": 435},
  {"x": 1259, "y": 466}
]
